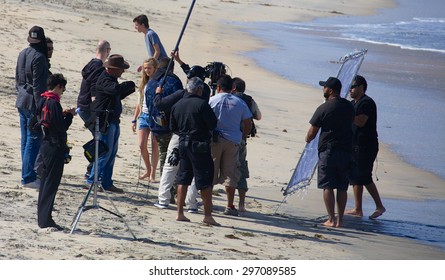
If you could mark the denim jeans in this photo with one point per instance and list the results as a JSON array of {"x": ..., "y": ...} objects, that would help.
[
  {"x": 106, "y": 161},
  {"x": 83, "y": 114},
  {"x": 29, "y": 145}
]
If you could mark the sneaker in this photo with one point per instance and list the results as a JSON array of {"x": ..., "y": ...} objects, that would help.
[
  {"x": 231, "y": 211},
  {"x": 33, "y": 185},
  {"x": 161, "y": 205},
  {"x": 193, "y": 210},
  {"x": 53, "y": 226},
  {"x": 113, "y": 189}
]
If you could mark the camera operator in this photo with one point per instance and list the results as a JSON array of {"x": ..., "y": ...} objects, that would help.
[
  {"x": 54, "y": 123},
  {"x": 194, "y": 71}
]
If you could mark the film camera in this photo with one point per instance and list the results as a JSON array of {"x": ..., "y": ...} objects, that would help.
[{"x": 213, "y": 71}]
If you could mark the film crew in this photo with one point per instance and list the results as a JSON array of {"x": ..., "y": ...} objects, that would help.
[
  {"x": 55, "y": 153},
  {"x": 334, "y": 117},
  {"x": 141, "y": 114},
  {"x": 109, "y": 94},
  {"x": 31, "y": 81},
  {"x": 230, "y": 111},
  {"x": 238, "y": 88},
  {"x": 159, "y": 120},
  {"x": 90, "y": 72},
  {"x": 170, "y": 169},
  {"x": 365, "y": 148},
  {"x": 193, "y": 120},
  {"x": 153, "y": 44}
]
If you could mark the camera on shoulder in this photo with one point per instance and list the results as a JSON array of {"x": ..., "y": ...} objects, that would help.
[{"x": 214, "y": 70}]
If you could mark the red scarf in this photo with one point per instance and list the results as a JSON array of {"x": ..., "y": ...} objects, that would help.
[{"x": 50, "y": 94}]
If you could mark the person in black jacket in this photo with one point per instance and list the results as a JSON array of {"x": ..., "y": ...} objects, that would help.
[
  {"x": 193, "y": 120},
  {"x": 109, "y": 94},
  {"x": 31, "y": 77},
  {"x": 90, "y": 72},
  {"x": 54, "y": 123}
]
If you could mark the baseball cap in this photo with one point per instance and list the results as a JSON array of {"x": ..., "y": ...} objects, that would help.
[
  {"x": 332, "y": 83},
  {"x": 36, "y": 34}
]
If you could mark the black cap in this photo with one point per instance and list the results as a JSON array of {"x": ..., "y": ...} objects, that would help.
[
  {"x": 197, "y": 71},
  {"x": 332, "y": 83},
  {"x": 36, "y": 35}
]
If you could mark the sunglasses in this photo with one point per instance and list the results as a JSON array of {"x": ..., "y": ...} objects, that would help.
[
  {"x": 50, "y": 48},
  {"x": 355, "y": 86}
]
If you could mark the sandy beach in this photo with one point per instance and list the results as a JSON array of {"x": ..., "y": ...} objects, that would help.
[{"x": 268, "y": 231}]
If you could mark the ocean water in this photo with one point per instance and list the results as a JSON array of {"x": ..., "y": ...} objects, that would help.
[
  {"x": 405, "y": 69},
  {"x": 417, "y": 220},
  {"x": 404, "y": 66}
]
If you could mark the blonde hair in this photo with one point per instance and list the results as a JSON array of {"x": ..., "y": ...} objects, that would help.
[{"x": 144, "y": 77}]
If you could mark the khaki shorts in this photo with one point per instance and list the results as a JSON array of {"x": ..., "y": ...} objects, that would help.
[{"x": 225, "y": 156}]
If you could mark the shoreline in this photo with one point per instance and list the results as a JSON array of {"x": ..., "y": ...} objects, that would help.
[
  {"x": 260, "y": 234},
  {"x": 411, "y": 79}
]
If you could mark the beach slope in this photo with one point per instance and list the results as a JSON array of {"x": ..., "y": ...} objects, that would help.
[{"x": 268, "y": 230}]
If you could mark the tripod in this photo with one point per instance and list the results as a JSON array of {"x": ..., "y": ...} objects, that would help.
[{"x": 93, "y": 188}]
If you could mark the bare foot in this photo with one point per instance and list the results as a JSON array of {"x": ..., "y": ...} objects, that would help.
[
  {"x": 146, "y": 175},
  {"x": 241, "y": 208},
  {"x": 377, "y": 213},
  {"x": 354, "y": 212},
  {"x": 339, "y": 224},
  {"x": 182, "y": 218},
  {"x": 152, "y": 179},
  {"x": 329, "y": 223},
  {"x": 209, "y": 221}
]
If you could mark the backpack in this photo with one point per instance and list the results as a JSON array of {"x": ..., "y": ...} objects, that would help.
[
  {"x": 40, "y": 121},
  {"x": 248, "y": 100}
]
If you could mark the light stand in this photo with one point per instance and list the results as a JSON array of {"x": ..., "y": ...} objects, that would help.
[{"x": 93, "y": 188}]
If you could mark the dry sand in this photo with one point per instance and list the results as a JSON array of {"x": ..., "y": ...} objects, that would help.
[{"x": 75, "y": 27}]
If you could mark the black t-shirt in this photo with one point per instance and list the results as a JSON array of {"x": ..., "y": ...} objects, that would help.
[
  {"x": 366, "y": 135},
  {"x": 335, "y": 118},
  {"x": 193, "y": 116}
]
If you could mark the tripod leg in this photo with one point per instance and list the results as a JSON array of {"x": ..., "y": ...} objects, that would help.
[
  {"x": 118, "y": 214},
  {"x": 81, "y": 208}
]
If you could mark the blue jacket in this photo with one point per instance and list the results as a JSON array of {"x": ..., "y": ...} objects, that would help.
[{"x": 172, "y": 84}]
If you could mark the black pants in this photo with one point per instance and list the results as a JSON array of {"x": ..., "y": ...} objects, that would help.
[{"x": 53, "y": 162}]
